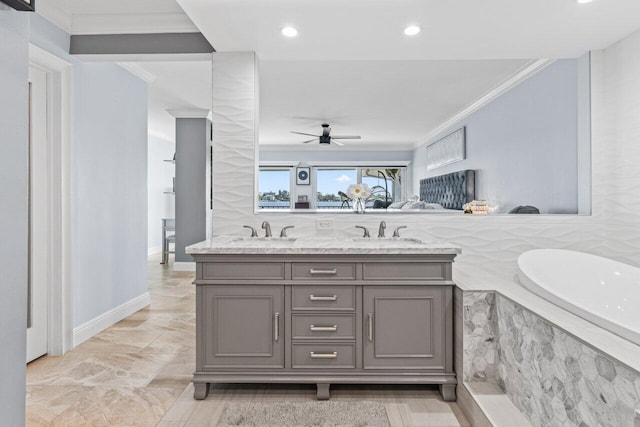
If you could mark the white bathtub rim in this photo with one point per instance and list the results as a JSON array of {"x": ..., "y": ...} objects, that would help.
[{"x": 528, "y": 281}]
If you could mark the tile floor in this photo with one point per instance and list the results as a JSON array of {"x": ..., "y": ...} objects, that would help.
[{"x": 137, "y": 373}]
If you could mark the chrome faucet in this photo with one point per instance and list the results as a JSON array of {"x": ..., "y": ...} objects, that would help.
[
  {"x": 383, "y": 225},
  {"x": 254, "y": 233},
  {"x": 283, "y": 232},
  {"x": 366, "y": 230},
  {"x": 267, "y": 228},
  {"x": 396, "y": 232}
]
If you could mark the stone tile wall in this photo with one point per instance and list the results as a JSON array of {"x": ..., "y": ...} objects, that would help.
[
  {"x": 479, "y": 337},
  {"x": 556, "y": 380}
]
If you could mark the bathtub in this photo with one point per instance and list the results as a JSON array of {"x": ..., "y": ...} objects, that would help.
[{"x": 600, "y": 290}]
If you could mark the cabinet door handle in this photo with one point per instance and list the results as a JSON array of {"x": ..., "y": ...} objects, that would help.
[
  {"x": 315, "y": 355},
  {"x": 320, "y": 298},
  {"x": 276, "y": 327},
  {"x": 370, "y": 332},
  {"x": 314, "y": 328},
  {"x": 315, "y": 272}
]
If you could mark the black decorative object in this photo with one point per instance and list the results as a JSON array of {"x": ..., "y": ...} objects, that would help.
[
  {"x": 303, "y": 176},
  {"x": 24, "y": 5}
]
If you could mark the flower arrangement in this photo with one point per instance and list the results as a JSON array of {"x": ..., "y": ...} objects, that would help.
[{"x": 359, "y": 193}]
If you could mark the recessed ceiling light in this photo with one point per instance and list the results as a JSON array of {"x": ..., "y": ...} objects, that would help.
[
  {"x": 411, "y": 30},
  {"x": 289, "y": 32},
  {"x": 584, "y": 1}
]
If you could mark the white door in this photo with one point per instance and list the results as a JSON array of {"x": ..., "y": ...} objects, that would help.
[{"x": 37, "y": 320}]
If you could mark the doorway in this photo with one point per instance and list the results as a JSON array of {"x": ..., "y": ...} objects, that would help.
[
  {"x": 38, "y": 277},
  {"x": 49, "y": 326}
]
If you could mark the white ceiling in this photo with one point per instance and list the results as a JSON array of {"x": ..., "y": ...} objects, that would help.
[
  {"x": 351, "y": 65},
  {"x": 451, "y": 29},
  {"x": 391, "y": 104}
]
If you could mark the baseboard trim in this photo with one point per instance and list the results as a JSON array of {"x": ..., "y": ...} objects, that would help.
[
  {"x": 98, "y": 324},
  {"x": 184, "y": 266}
]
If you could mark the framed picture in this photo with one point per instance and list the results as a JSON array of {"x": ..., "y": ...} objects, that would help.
[
  {"x": 25, "y": 5},
  {"x": 303, "y": 198},
  {"x": 303, "y": 176},
  {"x": 449, "y": 149}
]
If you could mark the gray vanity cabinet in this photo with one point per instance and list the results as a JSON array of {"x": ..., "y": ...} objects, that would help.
[
  {"x": 323, "y": 319},
  {"x": 405, "y": 327},
  {"x": 242, "y": 327}
]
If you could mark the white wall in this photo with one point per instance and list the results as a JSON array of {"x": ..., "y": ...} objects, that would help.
[
  {"x": 14, "y": 31},
  {"x": 489, "y": 243},
  {"x": 160, "y": 176},
  {"x": 523, "y": 145},
  {"x": 108, "y": 180}
]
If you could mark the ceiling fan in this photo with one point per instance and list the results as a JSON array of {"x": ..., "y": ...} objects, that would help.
[{"x": 326, "y": 137}]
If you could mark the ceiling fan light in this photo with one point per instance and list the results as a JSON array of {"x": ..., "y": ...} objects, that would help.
[
  {"x": 289, "y": 32},
  {"x": 411, "y": 30}
]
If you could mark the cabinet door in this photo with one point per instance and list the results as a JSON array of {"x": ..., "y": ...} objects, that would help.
[
  {"x": 242, "y": 326},
  {"x": 406, "y": 327}
]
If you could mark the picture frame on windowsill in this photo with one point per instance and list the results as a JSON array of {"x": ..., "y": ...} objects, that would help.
[{"x": 22, "y": 5}]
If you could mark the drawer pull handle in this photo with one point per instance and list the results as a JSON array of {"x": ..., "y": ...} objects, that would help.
[
  {"x": 333, "y": 328},
  {"x": 315, "y": 355},
  {"x": 315, "y": 272},
  {"x": 276, "y": 327},
  {"x": 320, "y": 298},
  {"x": 370, "y": 332}
]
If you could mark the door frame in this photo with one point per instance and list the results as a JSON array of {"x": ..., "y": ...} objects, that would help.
[{"x": 59, "y": 304}]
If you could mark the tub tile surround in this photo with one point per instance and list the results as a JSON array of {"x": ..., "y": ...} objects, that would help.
[{"x": 551, "y": 376}]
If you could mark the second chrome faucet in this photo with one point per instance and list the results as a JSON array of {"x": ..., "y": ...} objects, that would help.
[{"x": 381, "y": 228}]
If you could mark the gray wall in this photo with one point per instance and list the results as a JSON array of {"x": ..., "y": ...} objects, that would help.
[
  {"x": 108, "y": 180},
  {"x": 192, "y": 199},
  {"x": 14, "y": 30},
  {"x": 160, "y": 179},
  {"x": 523, "y": 144}
]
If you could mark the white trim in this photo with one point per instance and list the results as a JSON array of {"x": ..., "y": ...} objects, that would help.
[
  {"x": 189, "y": 113},
  {"x": 98, "y": 324},
  {"x": 138, "y": 71},
  {"x": 184, "y": 266},
  {"x": 131, "y": 23},
  {"x": 521, "y": 75},
  {"x": 59, "y": 79},
  {"x": 325, "y": 163}
]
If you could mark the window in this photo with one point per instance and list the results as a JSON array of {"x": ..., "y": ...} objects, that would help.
[
  {"x": 330, "y": 182},
  {"x": 274, "y": 188},
  {"x": 387, "y": 186}
]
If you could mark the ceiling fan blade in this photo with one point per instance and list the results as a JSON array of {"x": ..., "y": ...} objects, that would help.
[
  {"x": 346, "y": 137},
  {"x": 302, "y": 133},
  {"x": 311, "y": 140},
  {"x": 340, "y": 144}
]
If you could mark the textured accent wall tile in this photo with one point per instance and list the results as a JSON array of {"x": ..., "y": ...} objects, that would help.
[
  {"x": 554, "y": 379},
  {"x": 479, "y": 337}
]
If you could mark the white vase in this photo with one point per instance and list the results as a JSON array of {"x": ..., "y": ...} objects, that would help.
[{"x": 358, "y": 205}]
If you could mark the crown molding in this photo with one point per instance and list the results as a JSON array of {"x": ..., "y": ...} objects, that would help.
[
  {"x": 189, "y": 113},
  {"x": 138, "y": 71},
  {"x": 55, "y": 14},
  {"x": 515, "y": 79},
  {"x": 131, "y": 23}
]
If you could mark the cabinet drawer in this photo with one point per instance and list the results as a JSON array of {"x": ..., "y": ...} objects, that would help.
[
  {"x": 323, "y": 326},
  {"x": 243, "y": 270},
  {"x": 323, "y": 271},
  {"x": 321, "y": 355},
  {"x": 324, "y": 298},
  {"x": 404, "y": 271}
]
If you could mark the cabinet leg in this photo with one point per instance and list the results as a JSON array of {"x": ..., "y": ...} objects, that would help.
[
  {"x": 323, "y": 391},
  {"x": 201, "y": 390},
  {"x": 448, "y": 392}
]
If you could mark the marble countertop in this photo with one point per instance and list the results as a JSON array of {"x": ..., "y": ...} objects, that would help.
[{"x": 321, "y": 246}]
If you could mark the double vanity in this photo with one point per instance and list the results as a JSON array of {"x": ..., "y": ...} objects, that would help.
[{"x": 323, "y": 310}]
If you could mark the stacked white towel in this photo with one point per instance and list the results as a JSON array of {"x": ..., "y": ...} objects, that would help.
[{"x": 477, "y": 207}]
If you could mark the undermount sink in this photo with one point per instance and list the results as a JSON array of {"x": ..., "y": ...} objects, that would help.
[{"x": 387, "y": 240}]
